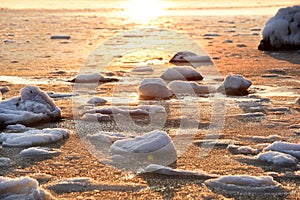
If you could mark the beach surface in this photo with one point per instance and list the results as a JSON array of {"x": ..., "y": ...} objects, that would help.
[{"x": 225, "y": 32}]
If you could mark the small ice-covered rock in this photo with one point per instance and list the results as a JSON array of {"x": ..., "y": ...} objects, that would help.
[
  {"x": 277, "y": 158},
  {"x": 218, "y": 143},
  {"x": 95, "y": 117},
  {"x": 154, "y": 88},
  {"x": 153, "y": 147},
  {"x": 189, "y": 57},
  {"x": 22, "y": 188},
  {"x": 60, "y": 95},
  {"x": 39, "y": 152},
  {"x": 185, "y": 73},
  {"x": 32, "y": 107},
  {"x": 5, "y": 162},
  {"x": 162, "y": 170},
  {"x": 246, "y": 150},
  {"x": 4, "y": 89},
  {"x": 244, "y": 185},
  {"x": 282, "y": 32},
  {"x": 106, "y": 137},
  {"x": 33, "y": 137},
  {"x": 97, "y": 101},
  {"x": 235, "y": 85},
  {"x": 17, "y": 128},
  {"x": 91, "y": 78},
  {"x": 143, "y": 68},
  {"x": 189, "y": 87},
  {"x": 285, "y": 147},
  {"x": 60, "y": 37},
  {"x": 264, "y": 139}
]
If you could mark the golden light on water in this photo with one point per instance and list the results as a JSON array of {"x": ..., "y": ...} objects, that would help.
[{"x": 142, "y": 11}]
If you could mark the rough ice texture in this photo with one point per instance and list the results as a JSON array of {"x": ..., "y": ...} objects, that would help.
[
  {"x": 97, "y": 101},
  {"x": 22, "y": 188},
  {"x": 39, "y": 152},
  {"x": 282, "y": 31},
  {"x": 285, "y": 147},
  {"x": 153, "y": 147},
  {"x": 33, "y": 106},
  {"x": 191, "y": 88},
  {"x": 5, "y": 162},
  {"x": 162, "y": 170},
  {"x": 245, "y": 184},
  {"x": 246, "y": 150},
  {"x": 277, "y": 158},
  {"x": 33, "y": 137},
  {"x": 185, "y": 73},
  {"x": 189, "y": 57},
  {"x": 154, "y": 88},
  {"x": 132, "y": 110},
  {"x": 235, "y": 85}
]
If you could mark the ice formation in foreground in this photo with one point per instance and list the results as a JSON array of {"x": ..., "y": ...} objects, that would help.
[
  {"x": 22, "y": 188},
  {"x": 33, "y": 106},
  {"x": 282, "y": 32}
]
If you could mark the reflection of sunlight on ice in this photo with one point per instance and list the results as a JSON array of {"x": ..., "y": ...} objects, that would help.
[{"x": 141, "y": 11}]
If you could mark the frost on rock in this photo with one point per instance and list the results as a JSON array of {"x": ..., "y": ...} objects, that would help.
[
  {"x": 155, "y": 147},
  {"x": 277, "y": 158},
  {"x": 235, "y": 85},
  {"x": 191, "y": 88},
  {"x": 22, "y": 188},
  {"x": 185, "y": 73},
  {"x": 251, "y": 187},
  {"x": 33, "y": 106},
  {"x": 292, "y": 149},
  {"x": 282, "y": 31},
  {"x": 33, "y": 137},
  {"x": 39, "y": 152},
  {"x": 91, "y": 78},
  {"x": 5, "y": 162},
  {"x": 189, "y": 57},
  {"x": 154, "y": 88}
]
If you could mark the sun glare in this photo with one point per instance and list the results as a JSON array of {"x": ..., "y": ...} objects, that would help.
[{"x": 142, "y": 11}]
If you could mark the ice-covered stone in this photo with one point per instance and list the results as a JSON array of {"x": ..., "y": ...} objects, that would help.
[
  {"x": 153, "y": 147},
  {"x": 106, "y": 137},
  {"x": 189, "y": 57},
  {"x": 285, "y": 147},
  {"x": 246, "y": 150},
  {"x": 185, "y": 73},
  {"x": 39, "y": 152},
  {"x": 17, "y": 128},
  {"x": 5, "y": 162},
  {"x": 189, "y": 87},
  {"x": 95, "y": 117},
  {"x": 277, "y": 158},
  {"x": 97, "y": 101},
  {"x": 245, "y": 185},
  {"x": 154, "y": 88},
  {"x": 143, "y": 68},
  {"x": 22, "y": 188},
  {"x": 282, "y": 32},
  {"x": 91, "y": 78},
  {"x": 33, "y": 137},
  {"x": 235, "y": 85},
  {"x": 33, "y": 106}
]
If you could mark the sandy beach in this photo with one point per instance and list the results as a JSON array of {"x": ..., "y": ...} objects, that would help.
[{"x": 29, "y": 57}]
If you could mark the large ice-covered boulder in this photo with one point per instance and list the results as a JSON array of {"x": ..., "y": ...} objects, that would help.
[
  {"x": 154, "y": 88},
  {"x": 31, "y": 107},
  {"x": 235, "y": 85},
  {"x": 282, "y": 32},
  {"x": 154, "y": 147},
  {"x": 185, "y": 73},
  {"x": 22, "y": 188}
]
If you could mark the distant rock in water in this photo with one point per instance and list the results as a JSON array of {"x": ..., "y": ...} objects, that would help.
[
  {"x": 33, "y": 106},
  {"x": 235, "y": 85},
  {"x": 154, "y": 88},
  {"x": 189, "y": 57},
  {"x": 184, "y": 73},
  {"x": 282, "y": 32}
]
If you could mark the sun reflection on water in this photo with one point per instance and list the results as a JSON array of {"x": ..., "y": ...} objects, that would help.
[{"x": 143, "y": 11}]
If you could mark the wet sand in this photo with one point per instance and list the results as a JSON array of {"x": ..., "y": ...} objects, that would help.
[{"x": 35, "y": 57}]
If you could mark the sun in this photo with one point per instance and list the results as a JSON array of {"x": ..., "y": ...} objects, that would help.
[{"x": 142, "y": 11}]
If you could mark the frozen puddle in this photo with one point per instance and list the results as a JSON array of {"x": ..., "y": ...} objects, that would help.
[{"x": 31, "y": 81}]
